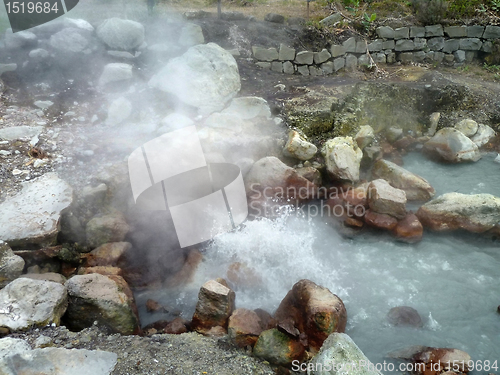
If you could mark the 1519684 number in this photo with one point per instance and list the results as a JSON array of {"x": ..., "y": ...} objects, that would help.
[{"x": 30, "y": 7}]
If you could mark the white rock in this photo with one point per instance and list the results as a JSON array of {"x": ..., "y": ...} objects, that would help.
[
  {"x": 299, "y": 148},
  {"x": 43, "y": 104},
  {"x": 69, "y": 40},
  {"x": 364, "y": 136},
  {"x": 11, "y": 265},
  {"x": 121, "y": 34},
  {"x": 191, "y": 35},
  {"x": 342, "y": 158},
  {"x": 483, "y": 135},
  {"x": 468, "y": 127},
  {"x": 20, "y": 132},
  {"x": 452, "y": 145},
  {"x": 115, "y": 72},
  {"x": 206, "y": 77},
  {"x": 119, "y": 110},
  {"x": 32, "y": 216},
  {"x": 497, "y": 159},
  {"x": 385, "y": 199},
  {"x": 27, "y": 303},
  {"x": 249, "y": 107},
  {"x": 78, "y": 23},
  {"x": 20, "y": 39}
]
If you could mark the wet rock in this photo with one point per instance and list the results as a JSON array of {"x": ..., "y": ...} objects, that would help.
[
  {"x": 119, "y": 110},
  {"x": 415, "y": 187},
  {"x": 337, "y": 356},
  {"x": 393, "y": 134},
  {"x": 409, "y": 229},
  {"x": 11, "y": 265},
  {"x": 453, "y": 211},
  {"x": 453, "y": 146},
  {"x": 468, "y": 127},
  {"x": 244, "y": 327},
  {"x": 248, "y": 108},
  {"x": 59, "y": 361},
  {"x": 311, "y": 174},
  {"x": 297, "y": 147},
  {"x": 115, "y": 72},
  {"x": 105, "y": 299},
  {"x": 342, "y": 158},
  {"x": 314, "y": 310},
  {"x": 109, "y": 254},
  {"x": 121, "y": 34},
  {"x": 206, "y": 77},
  {"x": 31, "y": 217},
  {"x": 404, "y": 316},
  {"x": 27, "y": 303},
  {"x": 191, "y": 35},
  {"x": 278, "y": 348},
  {"x": 214, "y": 307},
  {"x": 69, "y": 40},
  {"x": 176, "y": 327},
  {"x": 101, "y": 230},
  {"x": 4, "y": 68},
  {"x": 440, "y": 360},
  {"x": 364, "y": 136},
  {"x": 381, "y": 221},
  {"x": 385, "y": 199},
  {"x": 483, "y": 135}
]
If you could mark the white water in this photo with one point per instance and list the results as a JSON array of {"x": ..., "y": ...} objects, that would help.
[{"x": 452, "y": 280}]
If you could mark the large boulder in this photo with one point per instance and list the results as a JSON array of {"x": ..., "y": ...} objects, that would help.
[
  {"x": 313, "y": 310},
  {"x": 415, "y": 187},
  {"x": 27, "y": 303},
  {"x": 468, "y": 127},
  {"x": 299, "y": 148},
  {"x": 31, "y": 217},
  {"x": 115, "y": 72},
  {"x": 483, "y": 135},
  {"x": 340, "y": 355},
  {"x": 452, "y": 211},
  {"x": 70, "y": 39},
  {"x": 452, "y": 145},
  {"x": 404, "y": 316},
  {"x": 206, "y": 77},
  {"x": 105, "y": 299},
  {"x": 278, "y": 348},
  {"x": 11, "y": 265},
  {"x": 244, "y": 327},
  {"x": 343, "y": 158},
  {"x": 215, "y": 306},
  {"x": 106, "y": 228},
  {"x": 385, "y": 199},
  {"x": 121, "y": 34},
  {"x": 108, "y": 255}
]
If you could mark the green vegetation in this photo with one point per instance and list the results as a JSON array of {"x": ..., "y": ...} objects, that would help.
[{"x": 494, "y": 69}]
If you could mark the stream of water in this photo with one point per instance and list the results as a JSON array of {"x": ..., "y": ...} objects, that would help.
[{"x": 452, "y": 280}]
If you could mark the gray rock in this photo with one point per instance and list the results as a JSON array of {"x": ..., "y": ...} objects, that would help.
[
  {"x": 277, "y": 66},
  {"x": 435, "y": 44},
  {"x": 286, "y": 53},
  {"x": 327, "y": 67},
  {"x": 404, "y": 316},
  {"x": 273, "y": 17},
  {"x": 438, "y": 56},
  {"x": 339, "y": 353},
  {"x": 119, "y": 110},
  {"x": 364, "y": 136},
  {"x": 451, "y": 45},
  {"x": 315, "y": 71},
  {"x": 470, "y": 56},
  {"x": 389, "y": 44},
  {"x": 470, "y": 44},
  {"x": 483, "y": 135},
  {"x": 79, "y": 24},
  {"x": 288, "y": 68},
  {"x": 39, "y": 54},
  {"x": 4, "y": 68},
  {"x": 419, "y": 56},
  {"x": 487, "y": 46},
  {"x": 11, "y": 265},
  {"x": 361, "y": 46},
  {"x": 420, "y": 43},
  {"x": 304, "y": 58},
  {"x": 459, "y": 56},
  {"x": 491, "y": 32},
  {"x": 364, "y": 60},
  {"x": 401, "y": 33},
  {"x": 350, "y": 45},
  {"x": 41, "y": 201},
  {"x": 338, "y": 64},
  {"x": 393, "y": 134},
  {"x": 475, "y": 31},
  {"x": 27, "y": 303},
  {"x": 449, "y": 59},
  {"x": 265, "y": 54},
  {"x": 385, "y": 32},
  {"x": 107, "y": 228},
  {"x": 299, "y": 148},
  {"x": 342, "y": 158},
  {"x": 351, "y": 62},
  {"x": 115, "y": 72},
  {"x": 48, "y": 276},
  {"x": 19, "y": 40},
  {"x": 456, "y": 31},
  {"x": 303, "y": 70},
  {"x": 453, "y": 146},
  {"x": 406, "y": 57},
  {"x": 69, "y": 40},
  {"x": 127, "y": 55},
  {"x": 121, "y": 34},
  {"x": 206, "y": 76},
  {"x": 337, "y": 50},
  {"x": 10, "y": 346},
  {"x": 332, "y": 19},
  {"x": 43, "y": 104},
  {"x": 376, "y": 46},
  {"x": 468, "y": 127},
  {"x": 321, "y": 57},
  {"x": 434, "y": 30},
  {"x": 20, "y": 132},
  {"x": 248, "y": 108},
  {"x": 405, "y": 45},
  {"x": 380, "y": 58},
  {"x": 191, "y": 35},
  {"x": 263, "y": 65},
  {"x": 417, "y": 32}
]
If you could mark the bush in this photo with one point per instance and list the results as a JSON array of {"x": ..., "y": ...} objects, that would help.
[
  {"x": 430, "y": 12},
  {"x": 463, "y": 8}
]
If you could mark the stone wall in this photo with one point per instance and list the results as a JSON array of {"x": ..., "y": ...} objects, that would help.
[{"x": 450, "y": 45}]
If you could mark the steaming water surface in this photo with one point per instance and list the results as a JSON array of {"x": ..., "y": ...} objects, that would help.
[{"x": 452, "y": 280}]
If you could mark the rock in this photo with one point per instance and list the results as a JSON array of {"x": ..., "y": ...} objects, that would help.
[
  {"x": 105, "y": 299},
  {"x": 4, "y": 68},
  {"x": 176, "y": 327},
  {"x": 121, "y": 34},
  {"x": 214, "y": 307},
  {"x": 27, "y": 303},
  {"x": 452, "y": 145},
  {"x": 31, "y": 217},
  {"x": 385, "y": 32},
  {"x": 337, "y": 356},
  {"x": 311, "y": 174},
  {"x": 108, "y": 254},
  {"x": 321, "y": 57},
  {"x": 20, "y": 132},
  {"x": 385, "y": 199},
  {"x": 174, "y": 121},
  {"x": 313, "y": 310},
  {"x": 278, "y": 348},
  {"x": 483, "y": 135},
  {"x": 101, "y": 230},
  {"x": 119, "y": 110},
  {"x": 48, "y": 276},
  {"x": 468, "y": 127},
  {"x": 10, "y": 346},
  {"x": 331, "y": 19},
  {"x": 299, "y": 148},
  {"x": 409, "y": 229},
  {"x": 244, "y": 327},
  {"x": 491, "y": 32},
  {"x": 59, "y": 361},
  {"x": 415, "y": 187},
  {"x": 342, "y": 158},
  {"x": 381, "y": 221},
  {"x": 248, "y": 108},
  {"x": 79, "y": 24},
  {"x": 286, "y": 53},
  {"x": 434, "y": 121},
  {"x": 115, "y": 72},
  {"x": 470, "y": 44},
  {"x": 43, "y": 104},
  {"x": 19, "y": 40},
  {"x": 404, "y": 316},
  {"x": 206, "y": 76},
  {"x": 440, "y": 360},
  {"x": 69, "y": 40},
  {"x": 364, "y": 136},
  {"x": 433, "y": 30},
  {"x": 453, "y": 211},
  {"x": 191, "y": 35},
  {"x": 304, "y": 58},
  {"x": 273, "y": 17},
  {"x": 11, "y": 265},
  {"x": 265, "y": 54}
]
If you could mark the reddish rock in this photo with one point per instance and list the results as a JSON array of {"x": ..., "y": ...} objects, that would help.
[
  {"x": 385, "y": 199},
  {"x": 176, "y": 327},
  {"x": 439, "y": 360},
  {"x": 266, "y": 319},
  {"x": 216, "y": 331},
  {"x": 409, "y": 229},
  {"x": 353, "y": 222},
  {"x": 405, "y": 143},
  {"x": 382, "y": 221},
  {"x": 153, "y": 306},
  {"x": 404, "y": 316},
  {"x": 314, "y": 310},
  {"x": 278, "y": 348},
  {"x": 101, "y": 270},
  {"x": 109, "y": 254},
  {"x": 215, "y": 306},
  {"x": 244, "y": 327}
]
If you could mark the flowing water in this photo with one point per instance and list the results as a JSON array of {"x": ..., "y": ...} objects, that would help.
[{"x": 452, "y": 280}]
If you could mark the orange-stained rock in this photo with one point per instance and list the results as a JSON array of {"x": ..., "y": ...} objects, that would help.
[
  {"x": 109, "y": 254},
  {"x": 101, "y": 270},
  {"x": 404, "y": 316},
  {"x": 176, "y": 326},
  {"x": 153, "y": 306},
  {"x": 278, "y": 348},
  {"x": 409, "y": 229},
  {"x": 266, "y": 320},
  {"x": 382, "y": 221},
  {"x": 244, "y": 327},
  {"x": 439, "y": 360}
]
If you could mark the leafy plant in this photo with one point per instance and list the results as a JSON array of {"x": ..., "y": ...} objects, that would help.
[
  {"x": 367, "y": 21},
  {"x": 495, "y": 5}
]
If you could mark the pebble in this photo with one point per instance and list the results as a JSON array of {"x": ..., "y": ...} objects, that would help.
[
  {"x": 16, "y": 172},
  {"x": 5, "y": 152}
]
